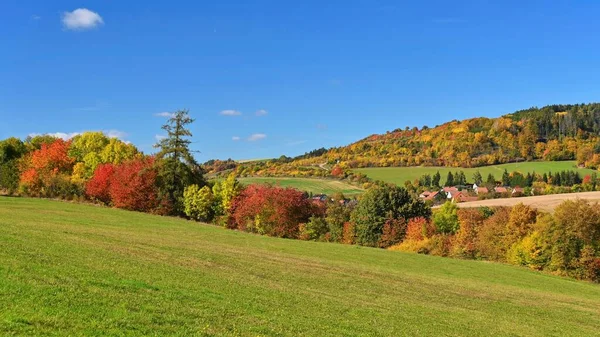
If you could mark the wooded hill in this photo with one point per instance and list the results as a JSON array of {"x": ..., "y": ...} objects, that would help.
[{"x": 554, "y": 132}]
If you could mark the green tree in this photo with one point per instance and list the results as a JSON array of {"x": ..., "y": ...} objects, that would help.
[
  {"x": 435, "y": 180},
  {"x": 381, "y": 204},
  {"x": 491, "y": 180},
  {"x": 176, "y": 165},
  {"x": 445, "y": 218},
  {"x": 337, "y": 216},
  {"x": 449, "y": 179},
  {"x": 477, "y": 178},
  {"x": 505, "y": 178},
  {"x": 11, "y": 150}
]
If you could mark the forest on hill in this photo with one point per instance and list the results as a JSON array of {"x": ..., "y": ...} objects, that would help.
[{"x": 550, "y": 133}]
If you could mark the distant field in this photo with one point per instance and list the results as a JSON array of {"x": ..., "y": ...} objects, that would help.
[
  {"x": 542, "y": 202},
  {"x": 316, "y": 186},
  {"x": 79, "y": 270},
  {"x": 399, "y": 175}
]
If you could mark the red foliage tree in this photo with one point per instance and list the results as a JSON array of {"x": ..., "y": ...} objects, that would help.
[
  {"x": 44, "y": 168},
  {"x": 133, "y": 185},
  {"x": 270, "y": 210},
  {"x": 393, "y": 232},
  {"x": 98, "y": 187},
  {"x": 337, "y": 172}
]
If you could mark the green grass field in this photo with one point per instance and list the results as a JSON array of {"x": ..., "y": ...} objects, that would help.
[
  {"x": 74, "y": 270},
  {"x": 399, "y": 175},
  {"x": 314, "y": 185}
]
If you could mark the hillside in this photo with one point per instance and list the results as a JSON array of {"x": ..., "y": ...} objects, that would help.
[
  {"x": 550, "y": 133},
  {"x": 71, "y": 269}
]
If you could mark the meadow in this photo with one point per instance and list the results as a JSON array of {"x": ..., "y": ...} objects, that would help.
[
  {"x": 72, "y": 269},
  {"x": 398, "y": 175},
  {"x": 314, "y": 185}
]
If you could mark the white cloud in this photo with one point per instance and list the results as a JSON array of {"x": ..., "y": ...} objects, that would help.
[
  {"x": 230, "y": 113},
  {"x": 81, "y": 19},
  {"x": 235, "y": 138},
  {"x": 69, "y": 135},
  {"x": 35, "y": 17},
  {"x": 261, "y": 112},
  {"x": 115, "y": 134},
  {"x": 165, "y": 114},
  {"x": 65, "y": 136},
  {"x": 159, "y": 137},
  {"x": 256, "y": 136}
]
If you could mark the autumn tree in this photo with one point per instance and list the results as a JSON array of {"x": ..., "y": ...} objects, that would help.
[
  {"x": 133, "y": 185},
  {"x": 46, "y": 172},
  {"x": 177, "y": 167},
  {"x": 270, "y": 210},
  {"x": 445, "y": 218},
  {"x": 98, "y": 187},
  {"x": 381, "y": 205}
]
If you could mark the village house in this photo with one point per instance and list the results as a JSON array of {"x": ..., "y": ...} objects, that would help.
[{"x": 500, "y": 189}]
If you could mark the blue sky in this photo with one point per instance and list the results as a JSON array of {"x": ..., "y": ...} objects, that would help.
[{"x": 291, "y": 76}]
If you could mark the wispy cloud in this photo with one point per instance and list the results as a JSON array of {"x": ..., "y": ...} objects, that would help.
[
  {"x": 261, "y": 112},
  {"x": 35, "y": 17},
  {"x": 115, "y": 134},
  {"x": 159, "y": 137},
  {"x": 63, "y": 135},
  {"x": 68, "y": 135},
  {"x": 165, "y": 114},
  {"x": 81, "y": 19},
  {"x": 235, "y": 138},
  {"x": 230, "y": 113},
  {"x": 256, "y": 136}
]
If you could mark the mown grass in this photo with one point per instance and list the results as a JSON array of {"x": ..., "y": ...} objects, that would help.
[
  {"x": 314, "y": 185},
  {"x": 398, "y": 175},
  {"x": 68, "y": 269}
]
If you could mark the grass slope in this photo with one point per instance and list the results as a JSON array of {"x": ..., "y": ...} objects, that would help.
[
  {"x": 68, "y": 269},
  {"x": 398, "y": 175},
  {"x": 316, "y": 186}
]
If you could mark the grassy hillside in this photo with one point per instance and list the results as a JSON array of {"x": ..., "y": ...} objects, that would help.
[
  {"x": 70, "y": 269},
  {"x": 399, "y": 175},
  {"x": 326, "y": 186}
]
